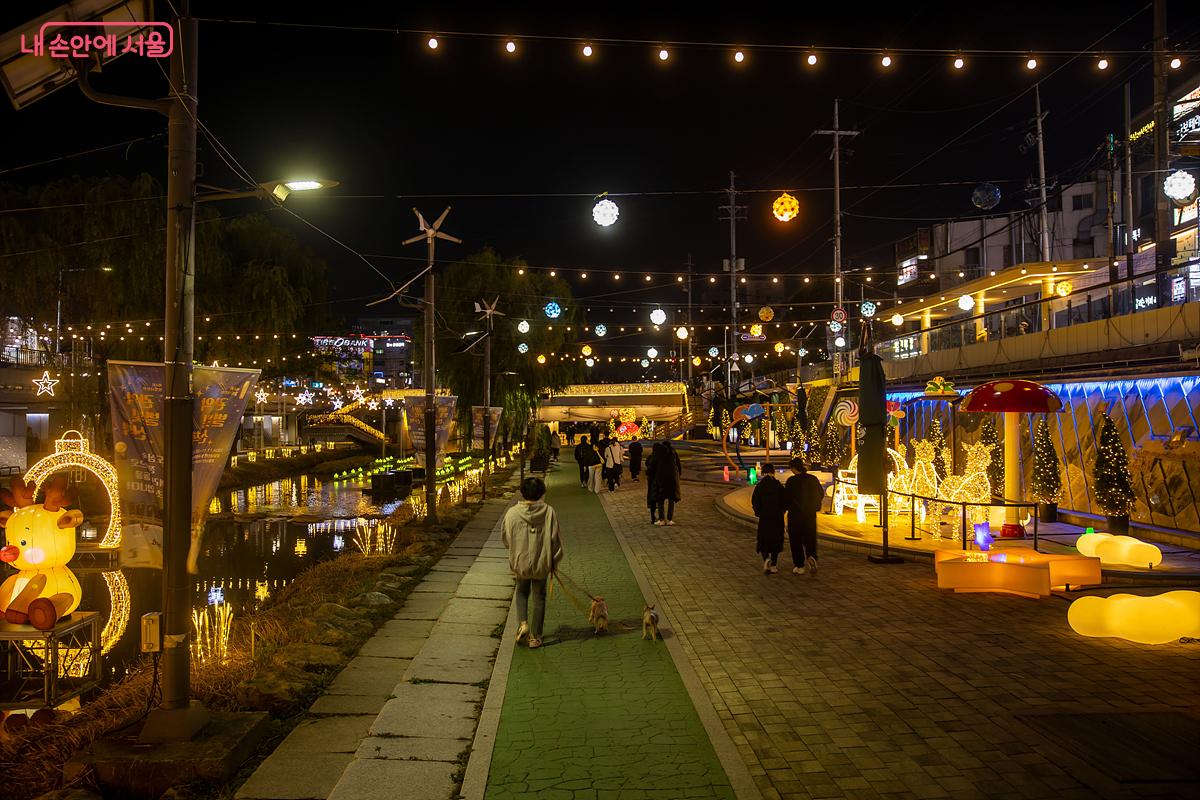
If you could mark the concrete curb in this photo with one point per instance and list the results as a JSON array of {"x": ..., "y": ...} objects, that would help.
[{"x": 731, "y": 762}]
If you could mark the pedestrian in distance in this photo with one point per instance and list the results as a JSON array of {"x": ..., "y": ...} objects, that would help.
[
  {"x": 531, "y": 534},
  {"x": 663, "y": 476},
  {"x": 804, "y": 501},
  {"x": 581, "y": 460},
  {"x": 614, "y": 454},
  {"x": 770, "y": 502},
  {"x": 635, "y": 459}
]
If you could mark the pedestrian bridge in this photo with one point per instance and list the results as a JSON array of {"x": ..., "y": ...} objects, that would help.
[{"x": 596, "y": 402}]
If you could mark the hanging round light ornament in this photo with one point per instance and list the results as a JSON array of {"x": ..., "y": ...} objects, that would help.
[
  {"x": 756, "y": 330},
  {"x": 1180, "y": 186},
  {"x": 591, "y": 362},
  {"x": 586, "y": 349},
  {"x": 658, "y": 316},
  {"x": 839, "y": 341},
  {"x": 601, "y": 329},
  {"x": 966, "y": 302},
  {"x": 522, "y": 348},
  {"x": 523, "y": 326},
  {"x": 605, "y": 212},
  {"x": 681, "y": 332},
  {"x": 748, "y": 358},
  {"x": 552, "y": 310},
  {"x": 651, "y": 353},
  {"x": 803, "y": 352},
  {"x": 766, "y": 313},
  {"x": 713, "y": 352},
  {"x": 897, "y": 320},
  {"x": 785, "y": 208},
  {"x": 541, "y": 359},
  {"x": 1063, "y": 288},
  {"x": 645, "y": 363},
  {"x": 867, "y": 309},
  {"x": 696, "y": 361},
  {"x": 779, "y": 347},
  {"x": 835, "y": 326}
]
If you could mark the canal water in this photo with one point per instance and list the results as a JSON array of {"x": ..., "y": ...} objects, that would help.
[{"x": 256, "y": 541}]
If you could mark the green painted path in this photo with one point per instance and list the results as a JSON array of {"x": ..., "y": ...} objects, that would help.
[{"x": 598, "y": 716}]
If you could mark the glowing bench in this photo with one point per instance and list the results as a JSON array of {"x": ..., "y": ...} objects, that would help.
[
  {"x": 1021, "y": 572},
  {"x": 1147, "y": 620}
]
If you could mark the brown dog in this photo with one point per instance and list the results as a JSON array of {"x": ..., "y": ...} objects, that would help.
[
  {"x": 650, "y": 623},
  {"x": 598, "y": 615}
]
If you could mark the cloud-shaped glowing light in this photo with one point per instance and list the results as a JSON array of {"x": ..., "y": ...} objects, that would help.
[
  {"x": 1147, "y": 620},
  {"x": 1119, "y": 550}
]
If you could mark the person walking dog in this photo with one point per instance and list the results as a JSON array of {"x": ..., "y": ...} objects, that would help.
[
  {"x": 769, "y": 501},
  {"x": 531, "y": 534}
]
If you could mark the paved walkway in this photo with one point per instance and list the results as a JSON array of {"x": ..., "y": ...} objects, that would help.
[
  {"x": 866, "y": 681},
  {"x": 399, "y": 718},
  {"x": 599, "y": 716}
]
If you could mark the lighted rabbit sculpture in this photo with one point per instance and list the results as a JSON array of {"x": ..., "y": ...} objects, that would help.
[{"x": 39, "y": 541}]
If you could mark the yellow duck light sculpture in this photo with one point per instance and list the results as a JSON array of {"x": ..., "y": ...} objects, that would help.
[{"x": 40, "y": 540}]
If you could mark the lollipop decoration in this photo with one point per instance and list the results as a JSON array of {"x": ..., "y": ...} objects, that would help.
[{"x": 845, "y": 413}]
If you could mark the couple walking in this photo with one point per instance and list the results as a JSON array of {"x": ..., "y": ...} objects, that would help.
[
  {"x": 800, "y": 499},
  {"x": 663, "y": 472}
]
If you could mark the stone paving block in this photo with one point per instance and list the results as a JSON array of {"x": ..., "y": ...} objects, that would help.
[
  {"x": 490, "y": 578},
  {"x": 348, "y": 704},
  {"x": 392, "y": 646},
  {"x": 370, "y": 675},
  {"x": 423, "y": 606},
  {"x": 327, "y": 735},
  {"x": 406, "y": 628},
  {"x": 440, "y": 710},
  {"x": 404, "y": 748},
  {"x": 302, "y": 776},
  {"x": 467, "y": 629},
  {"x": 442, "y": 583},
  {"x": 454, "y": 658},
  {"x": 485, "y": 591},
  {"x": 475, "y": 611},
  {"x": 377, "y": 779}
]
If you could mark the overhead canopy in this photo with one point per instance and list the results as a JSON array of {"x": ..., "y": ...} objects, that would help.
[{"x": 1010, "y": 394}]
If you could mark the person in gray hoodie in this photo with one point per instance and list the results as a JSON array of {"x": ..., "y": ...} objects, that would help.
[{"x": 531, "y": 534}]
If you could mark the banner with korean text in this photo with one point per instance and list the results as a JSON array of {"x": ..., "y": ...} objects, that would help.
[
  {"x": 135, "y": 392},
  {"x": 477, "y": 425},
  {"x": 443, "y": 409}
]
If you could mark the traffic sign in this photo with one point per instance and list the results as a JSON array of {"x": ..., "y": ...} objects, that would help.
[{"x": 838, "y": 315}]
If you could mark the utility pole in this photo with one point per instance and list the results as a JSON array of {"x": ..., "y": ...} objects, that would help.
[
  {"x": 689, "y": 321},
  {"x": 487, "y": 410},
  {"x": 1113, "y": 274},
  {"x": 733, "y": 266},
  {"x": 837, "y": 133},
  {"x": 1042, "y": 216},
  {"x": 1163, "y": 243}
]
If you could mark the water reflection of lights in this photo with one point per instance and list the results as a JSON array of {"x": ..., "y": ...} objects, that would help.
[
  {"x": 216, "y": 595},
  {"x": 261, "y": 591},
  {"x": 301, "y": 547},
  {"x": 77, "y": 661},
  {"x": 339, "y": 543}
]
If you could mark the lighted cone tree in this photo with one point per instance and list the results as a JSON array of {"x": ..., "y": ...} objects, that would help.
[
  {"x": 1112, "y": 483},
  {"x": 1046, "y": 484},
  {"x": 937, "y": 437},
  {"x": 989, "y": 435}
]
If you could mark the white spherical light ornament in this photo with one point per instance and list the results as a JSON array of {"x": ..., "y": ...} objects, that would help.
[
  {"x": 591, "y": 362},
  {"x": 839, "y": 341},
  {"x": 523, "y": 326},
  {"x": 651, "y": 353},
  {"x": 748, "y": 358},
  {"x": 522, "y": 348},
  {"x": 658, "y": 316},
  {"x": 1180, "y": 186},
  {"x": 645, "y": 363},
  {"x": 966, "y": 302},
  {"x": 681, "y": 332},
  {"x": 713, "y": 352},
  {"x": 605, "y": 213},
  {"x": 897, "y": 320},
  {"x": 601, "y": 329},
  {"x": 867, "y": 309}
]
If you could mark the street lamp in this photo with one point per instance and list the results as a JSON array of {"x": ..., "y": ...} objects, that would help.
[{"x": 275, "y": 191}]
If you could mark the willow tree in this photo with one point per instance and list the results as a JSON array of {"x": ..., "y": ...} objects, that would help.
[{"x": 517, "y": 378}]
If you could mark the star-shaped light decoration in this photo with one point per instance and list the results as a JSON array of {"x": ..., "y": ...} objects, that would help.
[
  {"x": 337, "y": 403},
  {"x": 388, "y": 402},
  {"x": 304, "y": 398},
  {"x": 358, "y": 393},
  {"x": 45, "y": 384},
  {"x": 373, "y": 404},
  {"x": 261, "y": 396}
]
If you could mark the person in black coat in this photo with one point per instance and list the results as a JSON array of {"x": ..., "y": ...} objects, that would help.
[
  {"x": 805, "y": 494},
  {"x": 770, "y": 501},
  {"x": 635, "y": 459},
  {"x": 581, "y": 460},
  {"x": 663, "y": 471}
]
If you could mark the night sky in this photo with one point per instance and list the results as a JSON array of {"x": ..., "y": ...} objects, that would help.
[{"x": 399, "y": 125}]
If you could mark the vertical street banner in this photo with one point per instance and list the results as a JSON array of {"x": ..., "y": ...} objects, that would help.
[
  {"x": 477, "y": 424},
  {"x": 443, "y": 408},
  {"x": 135, "y": 392}
]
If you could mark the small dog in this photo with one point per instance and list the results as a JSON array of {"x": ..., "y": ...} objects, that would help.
[
  {"x": 598, "y": 615},
  {"x": 650, "y": 623}
]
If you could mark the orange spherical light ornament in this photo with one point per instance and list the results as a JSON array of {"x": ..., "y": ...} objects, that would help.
[
  {"x": 785, "y": 208},
  {"x": 766, "y": 313}
]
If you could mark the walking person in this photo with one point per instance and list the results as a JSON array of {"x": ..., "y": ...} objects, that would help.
[
  {"x": 663, "y": 474},
  {"x": 583, "y": 460},
  {"x": 635, "y": 459},
  {"x": 770, "y": 501},
  {"x": 531, "y": 534},
  {"x": 614, "y": 454},
  {"x": 804, "y": 501}
]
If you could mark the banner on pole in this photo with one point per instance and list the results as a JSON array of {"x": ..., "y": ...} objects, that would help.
[
  {"x": 135, "y": 393},
  {"x": 477, "y": 424},
  {"x": 443, "y": 409}
]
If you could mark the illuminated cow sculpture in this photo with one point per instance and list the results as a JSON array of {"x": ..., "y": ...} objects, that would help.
[{"x": 39, "y": 541}]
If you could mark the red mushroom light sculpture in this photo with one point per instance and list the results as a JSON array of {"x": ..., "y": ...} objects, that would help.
[{"x": 1011, "y": 397}]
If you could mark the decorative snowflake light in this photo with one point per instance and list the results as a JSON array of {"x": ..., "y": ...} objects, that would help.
[
  {"x": 552, "y": 310},
  {"x": 835, "y": 326},
  {"x": 867, "y": 309},
  {"x": 713, "y": 352},
  {"x": 1179, "y": 186},
  {"x": 601, "y": 329},
  {"x": 605, "y": 213},
  {"x": 522, "y": 348}
]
